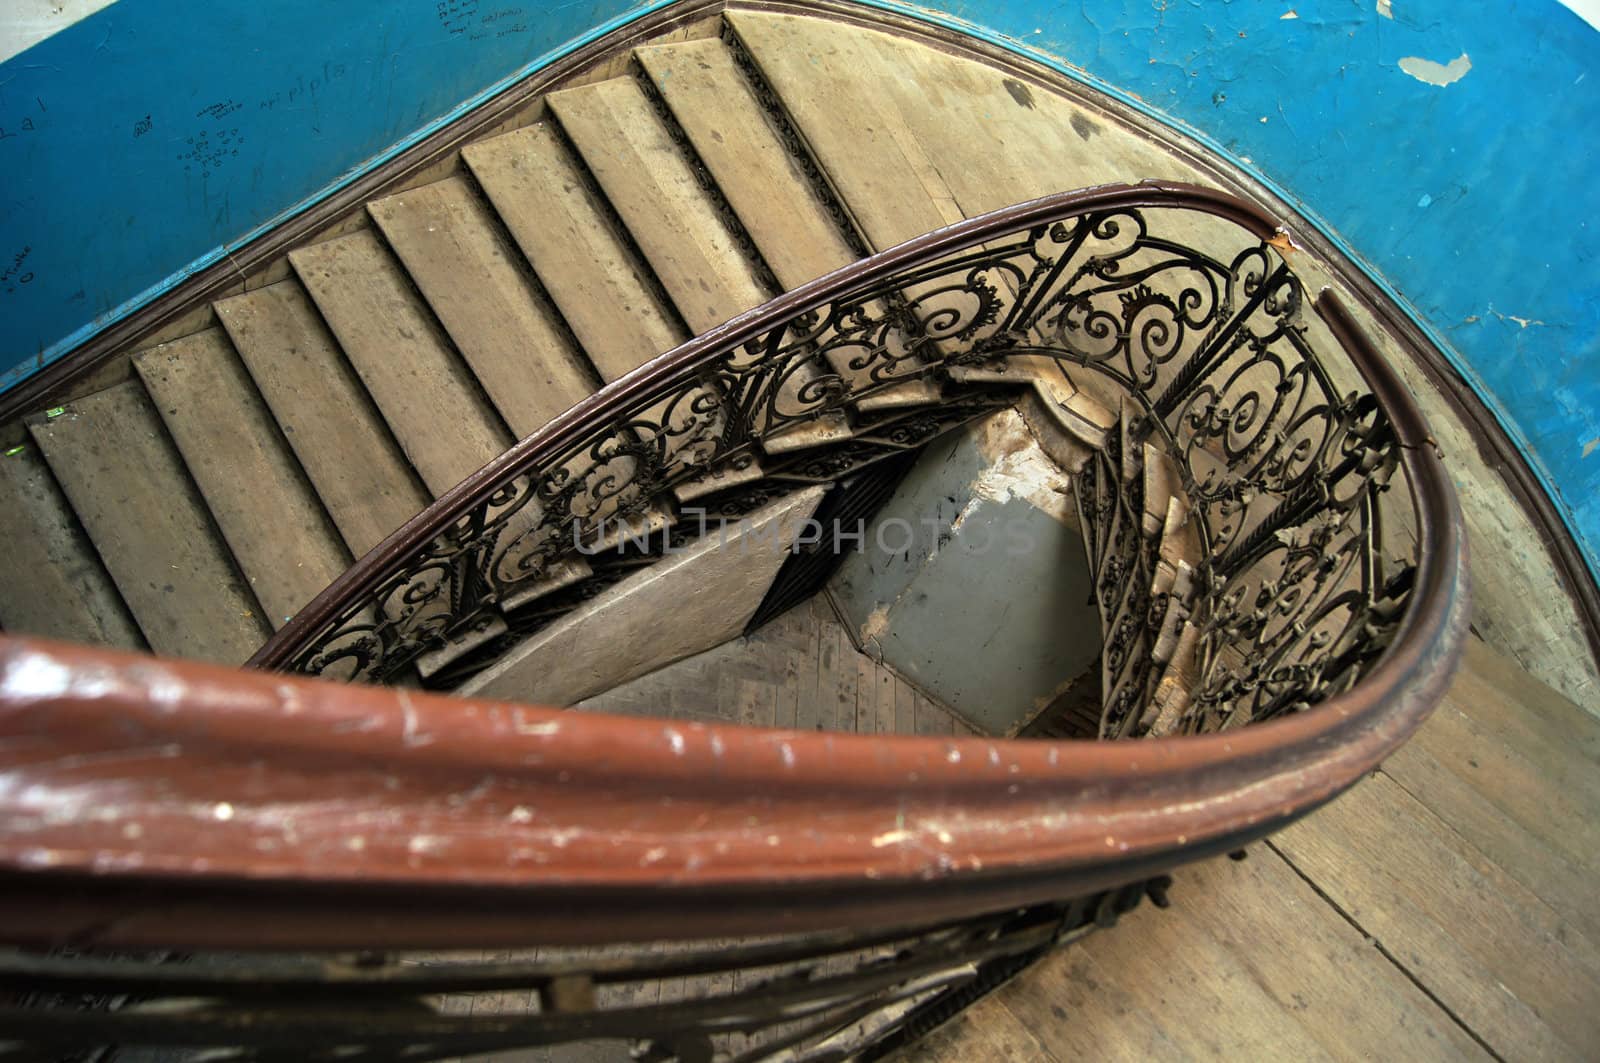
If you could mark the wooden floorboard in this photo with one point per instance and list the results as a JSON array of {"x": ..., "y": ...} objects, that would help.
[{"x": 1429, "y": 913}]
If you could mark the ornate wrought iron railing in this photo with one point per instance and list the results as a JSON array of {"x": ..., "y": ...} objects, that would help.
[{"x": 156, "y": 804}]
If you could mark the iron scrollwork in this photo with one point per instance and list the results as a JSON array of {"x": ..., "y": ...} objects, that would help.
[{"x": 1189, "y": 332}]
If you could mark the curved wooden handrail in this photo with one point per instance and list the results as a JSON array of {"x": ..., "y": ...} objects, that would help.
[{"x": 172, "y": 804}]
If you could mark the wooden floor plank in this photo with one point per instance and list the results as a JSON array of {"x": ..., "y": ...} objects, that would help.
[
  {"x": 606, "y": 295},
  {"x": 128, "y": 485},
  {"x": 905, "y": 708},
  {"x": 1555, "y": 877},
  {"x": 1490, "y": 950},
  {"x": 53, "y": 583},
  {"x": 336, "y": 432},
  {"x": 1546, "y": 795},
  {"x": 1151, "y": 990},
  {"x": 452, "y": 246},
  {"x": 275, "y": 527},
  {"x": 866, "y": 694},
  {"x": 1248, "y": 963},
  {"x": 840, "y": 712},
  {"x": 884, "y": 718},
  {"x": 1494, "y": 689},
  {"x": 989, "y": 1031},
  {"x": 430, "y": 400},
  {"x": 808, "y": 684}
]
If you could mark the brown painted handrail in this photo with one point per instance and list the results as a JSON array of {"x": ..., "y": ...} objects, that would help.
[{"x": 173, "y": 804}]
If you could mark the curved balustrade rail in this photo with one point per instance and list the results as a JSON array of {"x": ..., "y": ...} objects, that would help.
[
  {"x": 1200, "y": 330},
  {"x": 159, "y": 804}
]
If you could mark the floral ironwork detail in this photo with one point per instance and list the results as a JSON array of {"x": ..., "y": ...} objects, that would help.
[{"x": 1193, "y": 327}]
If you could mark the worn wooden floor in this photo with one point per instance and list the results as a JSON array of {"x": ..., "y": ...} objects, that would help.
[{"x": 1443, "y": 909}]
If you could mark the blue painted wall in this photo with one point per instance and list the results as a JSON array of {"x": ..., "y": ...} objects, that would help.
[{"x": 139, "y": 142}]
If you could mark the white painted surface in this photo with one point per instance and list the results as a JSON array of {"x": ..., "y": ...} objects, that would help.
[
  {"x": 24, "y": 23},
  {"x": 1588, "y": 10}
]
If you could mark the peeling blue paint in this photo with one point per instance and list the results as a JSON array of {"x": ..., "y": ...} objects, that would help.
[{"x": 1472, "y": 200}]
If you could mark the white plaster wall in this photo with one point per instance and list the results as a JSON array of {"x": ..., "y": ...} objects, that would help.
[
  {"x": 1588, "y": 10},
  {"x": 24, "y": 23}
]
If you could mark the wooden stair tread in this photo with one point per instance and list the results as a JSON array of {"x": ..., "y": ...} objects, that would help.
[
  {"x": 605, "y": 294},
  {"x": 130, "y": 489},
  {"x": 888, "y": 181},
  {"x": 53, "y": 583},
  {"x": 716, "y": 107},
  {"x": 274, "y": 525},
  {"x": 990, "y": 138},
  {"x": 472, "y": 277},
  {"x": 429, "y": 399},
  {"x": 630, "y": 151},
  {"x": 344, "y": 446}
]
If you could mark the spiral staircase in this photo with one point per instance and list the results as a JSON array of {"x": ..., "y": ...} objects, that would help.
[{"x": 684, "y": 282}]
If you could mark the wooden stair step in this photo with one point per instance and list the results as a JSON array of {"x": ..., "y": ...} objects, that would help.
[
  {"x": 889, "y": 182},
  {"x": 453, "y": 248},
  {"x": 1162, "y": 483},
  {"x": 715, "y": 105},
  {"x": 328, "y": 418},
  {"x": 676, "y": 224},
  {"x": 272, "y": 521},
  {"x": 763, "y": 182},
  {"x": 486, "y": 630},
  {"x": 832, "y": 88},
  {"x": 563, "y": 573},
  {"x": 630, "y": 151},
  {"x": 1058, "y": 435},
  {"x": 53, "y": 583},
  {"x": 1170, "y": 702},
  {"x": 128, "y": 485},
  {"x": 1127, "y": 618},
  {"x": 591, "y": 272},
  {"x": 830, "y": 428},
  {"x": 742, "y": 469},
  {"x": 445, "y": 426}
]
